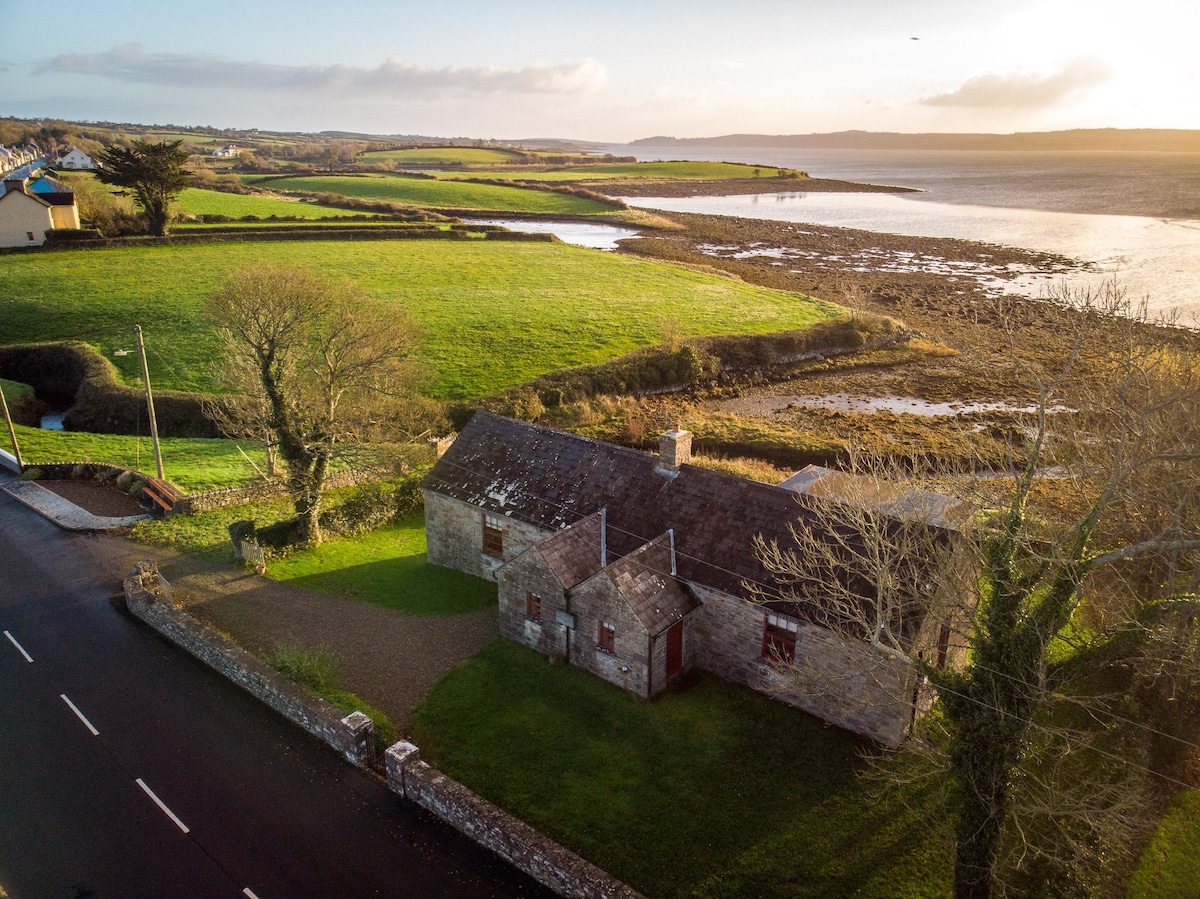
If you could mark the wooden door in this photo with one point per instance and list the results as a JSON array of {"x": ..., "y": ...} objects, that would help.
[{"x": 674, "y": 649}]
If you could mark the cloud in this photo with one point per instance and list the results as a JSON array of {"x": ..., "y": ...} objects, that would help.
[
  {"x": 129, "y": 63},
  {"x": 1024, "y": 89}
]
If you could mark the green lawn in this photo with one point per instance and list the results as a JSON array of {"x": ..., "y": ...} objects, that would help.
[
  {"x": 441, "y": 156},
  {"x": 194, "y": 464},
  {"x": 14, "y": 390},
  {"x": 711, "y": 791},
  {"x": 703, "y": 171},
  {"x": 1170, "y": 866},
  {"x": 195, "y": 201},
  {"x": 444, "y": 194},
  {"x": 386, "y": 567},
  {"x": 494, "y": 314}
]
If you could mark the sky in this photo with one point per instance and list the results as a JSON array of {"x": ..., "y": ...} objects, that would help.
[{"x": 608, "y": 70}]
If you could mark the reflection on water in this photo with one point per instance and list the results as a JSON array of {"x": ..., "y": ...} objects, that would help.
[
  {"x": 1154, "y": 258},
  {"x": 583, "y": 234},
  {"x": 844, "y": 402},
  {"x": 53, "y": 421}
]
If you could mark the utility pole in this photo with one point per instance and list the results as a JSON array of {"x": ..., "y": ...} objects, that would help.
[
  {"x": 137, "y": 329},
  {"x": 12, "y": 432}
]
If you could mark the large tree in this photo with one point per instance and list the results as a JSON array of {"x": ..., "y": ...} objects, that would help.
[
  {"x": 154, "y": 173},
  {"x": 321, "y": 365},
  {"x": 1090, "y": 555}
]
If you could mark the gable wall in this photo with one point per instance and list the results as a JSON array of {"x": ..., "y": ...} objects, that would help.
[
  {"x": 454, "y": 534},
  {"x": 843, "y": 681},
  {"x": 627, "y": 666},
  {"x": 19, "y": 215},
  {"x": 530, "y": 572}
]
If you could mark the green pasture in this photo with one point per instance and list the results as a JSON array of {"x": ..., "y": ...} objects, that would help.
[
  {"x": 441, "y": 156},
  {"x": 494, "y": 314},
  {"x": 192, "y": 463},
  {"x": 712, "y": 790},
  {"x": 195, "y": 201},
  {"x": 14, "y": 390},
  {"x": 436, "y": 194},
  {"x": 683, "y": 170},
  {"x": 1170, "y": 866}
]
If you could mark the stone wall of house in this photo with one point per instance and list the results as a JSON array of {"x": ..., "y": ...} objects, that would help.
[
  {"x": 454, "y": 536},
  {"x": 352, "y": 735},
  {"x": 627, "y": 665},
  {"x": 516, "y": 842},
  {"x": 842, "y": 681},
  {"x": 529, "y": 572}
]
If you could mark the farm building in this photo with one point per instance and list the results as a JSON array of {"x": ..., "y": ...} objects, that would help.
[
  {"x": 640, "y": 566},
  {"x": 26, "y": 215}
]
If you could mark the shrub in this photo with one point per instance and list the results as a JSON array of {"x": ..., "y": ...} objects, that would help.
[
  {"x": 315, "y": 668},
  {"x": 282, "y": 537},
  {"x": 31, "y": 474}
]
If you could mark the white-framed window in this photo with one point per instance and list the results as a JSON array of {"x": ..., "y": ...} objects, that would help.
[
  {"x": 779, "y": 638},
  {"x": 493, "y": 534}
]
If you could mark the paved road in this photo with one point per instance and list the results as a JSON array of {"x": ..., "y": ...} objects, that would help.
[{"x": 128, "y": 769}]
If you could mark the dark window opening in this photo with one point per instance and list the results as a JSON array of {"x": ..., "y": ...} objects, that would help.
[
  {"x": 779, "y": 638},
  {"x": 608, "y": 637},
  {"x": 533, "y": 606}
]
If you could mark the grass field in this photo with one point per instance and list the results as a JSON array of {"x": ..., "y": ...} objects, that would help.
[
  {"x": 1170, "y": 865},
  {"x": 494, "y": 314},
  {"x": 441, "y": 156},
  {"x": 195, "y": 201},
  {"x": 387, "y": 568},
  {"x": 701, "y": 171},
  {"x": 14, "y": 390},
  {"x": 712, "y": 791},
  {"x": 444, "y": 194},
  {"x": 192, "y": 463}
]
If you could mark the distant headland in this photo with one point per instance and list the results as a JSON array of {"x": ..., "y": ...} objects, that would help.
[{"x": 1126, "y": 139}]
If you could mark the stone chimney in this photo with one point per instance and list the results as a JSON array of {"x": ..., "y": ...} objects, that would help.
[{"x": 674, "y": 449}]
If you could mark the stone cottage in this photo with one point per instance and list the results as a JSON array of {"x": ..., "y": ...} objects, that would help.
[{"x": 639, "y": 567}]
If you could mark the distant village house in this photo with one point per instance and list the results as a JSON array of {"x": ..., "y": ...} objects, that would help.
[
  {"x": 28, "y": 212},
  {"x": 75, "y": 159},
  {"x": 638, "y": 568}
]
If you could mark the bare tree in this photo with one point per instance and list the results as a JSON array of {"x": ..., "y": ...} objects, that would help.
[
  {"x": 1098, "y": 519},
  {"x": 321, "y": 365}
]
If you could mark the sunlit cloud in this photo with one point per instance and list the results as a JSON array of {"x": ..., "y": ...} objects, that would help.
[
  {"x": 1025, "y": 89},
  {"x": 129, "y": 63}
]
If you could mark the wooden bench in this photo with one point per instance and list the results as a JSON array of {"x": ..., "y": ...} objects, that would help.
[{"x": 160, "y": 493}]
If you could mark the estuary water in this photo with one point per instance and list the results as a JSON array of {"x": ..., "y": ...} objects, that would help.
[{"x": 1134, "y": 217}]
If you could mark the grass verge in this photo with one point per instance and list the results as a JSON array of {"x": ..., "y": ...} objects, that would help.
[
  {"x": 318, "y": 671},
  {"x": 386, "y": 567},
  {"x": 193, "y": 463},
  {"x": 1170, "y": 865},
  {"x": 710, "y": 791}
]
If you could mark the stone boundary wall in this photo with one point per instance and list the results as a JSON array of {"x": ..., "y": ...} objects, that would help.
[
  {"x": 352, "y": 735},
  {"x": 513, "y": 840},
  {"x": 193, "y": 503}
]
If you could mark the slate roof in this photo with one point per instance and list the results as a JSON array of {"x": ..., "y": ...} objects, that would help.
[
  {"x": 552, "y": 478},
  {"x": 573, "y": 554},
  {"x": 643, "y": 578}
]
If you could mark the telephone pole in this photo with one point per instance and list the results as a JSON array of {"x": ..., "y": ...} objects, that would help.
[{"x": 137, "y": 329}]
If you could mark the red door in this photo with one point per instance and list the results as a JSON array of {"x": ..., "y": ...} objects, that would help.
[{"x": 674, "y": 649}]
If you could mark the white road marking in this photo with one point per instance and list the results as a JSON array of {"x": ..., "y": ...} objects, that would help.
[
  {"x": 249, "y": 892},
  {"x": 82, "y": 717},
  {"x": 20, "y": 648},
  {"x": 162, "y": 805}
]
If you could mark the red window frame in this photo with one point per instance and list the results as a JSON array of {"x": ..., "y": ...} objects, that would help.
[
  {"x": 493, "y": 536},
  {"x": 607, "y": 640},
  {"x": 779, "y": 638},
  {"x": 533, "y": 606}
]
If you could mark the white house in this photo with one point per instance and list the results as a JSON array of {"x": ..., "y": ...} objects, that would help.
[
  {"x": 227, "y": 151},
  {"x": 76, "y": 159},
  {"x": 26, "y": 217}
]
